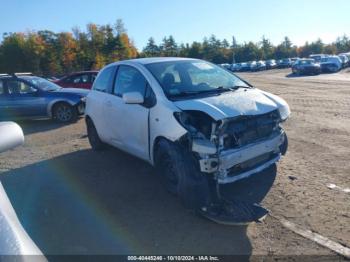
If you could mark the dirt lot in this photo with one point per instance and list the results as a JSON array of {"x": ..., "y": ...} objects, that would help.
[{"x": 72, "y": 200}]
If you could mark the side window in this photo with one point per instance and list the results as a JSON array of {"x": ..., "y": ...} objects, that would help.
[
  {"x": 2, "y": 91},
  {"x": 76, "y": 79},
  {"x": 129, "y": 79},
  {"x": 19, "y": 87},
  {"x": 69, "y": 79},
  {"x": 104, "y": 80},
  {"x": 80, "y": 79}
]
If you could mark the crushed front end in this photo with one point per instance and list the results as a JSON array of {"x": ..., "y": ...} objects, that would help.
[{"x": 241, "y": 146}]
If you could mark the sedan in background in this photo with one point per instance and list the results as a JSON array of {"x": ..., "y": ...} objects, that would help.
[
  {"x": 345, "y": 60},
  {"x": 331, "y": 64},
  {"x": 284, "y": 63},
  {"x": 258, "y": 66},
  {"x": 78, "y": 80},
  {"x": 317, "y": 57},
  {"x": 235, "y": 67},
  {"x": 306, "y": 67},
  {"x": 271, "y": 64},
  {"x": 245, "y": 67},
  {"x": 27, "y": 96}
]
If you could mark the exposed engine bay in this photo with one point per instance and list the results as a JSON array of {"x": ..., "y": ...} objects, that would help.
[{"x": 234, "y": 148}]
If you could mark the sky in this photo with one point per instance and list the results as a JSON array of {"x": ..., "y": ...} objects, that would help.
[{"x": 186, "y": 20}]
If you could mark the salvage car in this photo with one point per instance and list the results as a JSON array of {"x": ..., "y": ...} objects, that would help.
[
  {"x": 317, "y": 57},
  {"x": 245, "y": 67},
  {"x": 14, "y": 240},
  {"x": 345, "y": 60},
  {"x": 28, "y": 96},
  {"x": 306, "y": 66},
  {"x": 235, "y": 67},
  {"x": 258, "y": 66},
  {"x": 331, "y": 64},
  {"x": 271, "y": 64},
  {"x": 284, "y": 63},
  {"x": 198, "y": 124},
  {"x": 83, "y": 80}
]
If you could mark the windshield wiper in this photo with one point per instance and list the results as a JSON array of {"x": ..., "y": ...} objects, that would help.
[
  {"x": 218, "y": 90},
  {"x": 238, "y": 86}
]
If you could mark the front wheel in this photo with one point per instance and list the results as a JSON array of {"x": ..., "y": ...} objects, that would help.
[
  {"x": 176, "y": 167},
  {"x": 65, "y": 113}
]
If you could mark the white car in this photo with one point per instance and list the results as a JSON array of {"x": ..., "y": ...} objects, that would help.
[
  {"x": 198, "y": 124},
  {"x": 14, "y": 240}
]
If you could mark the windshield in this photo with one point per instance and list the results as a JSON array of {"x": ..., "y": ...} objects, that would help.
[
  {"x": 42, "y": 83},
  {"x": 192, "y": 77}
]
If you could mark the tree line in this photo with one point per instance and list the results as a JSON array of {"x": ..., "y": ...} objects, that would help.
[{"x": 48, "y": 53}]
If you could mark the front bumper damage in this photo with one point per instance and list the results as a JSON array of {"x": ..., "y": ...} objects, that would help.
[
  {"x": 234, "y": 149},
  {"x": 225, "y": 166},
  {"x": 232, "y": 165}
]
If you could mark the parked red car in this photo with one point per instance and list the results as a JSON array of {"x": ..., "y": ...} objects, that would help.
[{"x": 83, "y": 79}]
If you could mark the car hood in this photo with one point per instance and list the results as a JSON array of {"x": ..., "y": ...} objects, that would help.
[
  {"x": 78, "y": 91},
  {"x": 250, "y": 101}
]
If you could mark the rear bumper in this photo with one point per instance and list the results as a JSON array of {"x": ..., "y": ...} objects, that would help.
[{"x": 233, "y": 159}]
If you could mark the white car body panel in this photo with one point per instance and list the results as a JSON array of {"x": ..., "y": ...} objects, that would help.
[
  {"x": 231, "y": 104},
  {"x": 14, "y": 240},
  {"x": 11, "y": 135}
]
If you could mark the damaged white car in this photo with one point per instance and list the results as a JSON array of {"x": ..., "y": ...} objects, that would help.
[{"x": 198, "y": 124}]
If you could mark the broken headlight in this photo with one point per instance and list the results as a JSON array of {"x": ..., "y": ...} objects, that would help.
[{"x": 195, "y": 121}]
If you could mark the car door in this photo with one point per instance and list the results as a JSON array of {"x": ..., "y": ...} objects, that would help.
[
  {"x": 24, "y": 99},
  {"x": 128, "y": 123},
  {"x": 97, "y": 100},
  {"x": 5, "y": 101}
]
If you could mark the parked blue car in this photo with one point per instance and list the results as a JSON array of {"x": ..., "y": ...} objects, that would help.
[{"x": 27, "y": 96}]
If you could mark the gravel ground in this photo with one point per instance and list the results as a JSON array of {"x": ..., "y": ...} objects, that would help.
[{"x": 72, "y": 200}]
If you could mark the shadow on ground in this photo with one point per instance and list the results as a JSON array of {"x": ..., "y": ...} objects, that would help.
[
  {"x": 38, "y": 125},
  {"x": 292, "y": 75},
  {"x": 109, "y": 202}
]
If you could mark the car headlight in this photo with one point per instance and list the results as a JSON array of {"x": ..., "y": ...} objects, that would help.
[
  {"x": 83, "y": 99},
  {"x": 284, "y": 112},
  {"x": 195, "y": 121}
]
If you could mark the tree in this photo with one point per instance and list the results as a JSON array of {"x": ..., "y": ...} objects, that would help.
[
  {"x": 151, "y": 49},
  {"x": 267, "y": 48},
  {"x": 248, "y": 52},
  {"x": 169, "y": 47}
]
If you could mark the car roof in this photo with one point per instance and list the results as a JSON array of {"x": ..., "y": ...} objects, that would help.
[
  {"x": 151, "y": 60},
  {"x": 83, "y": 72}
]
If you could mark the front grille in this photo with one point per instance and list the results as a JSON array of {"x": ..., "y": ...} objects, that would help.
[
  {"x": 251, "y": 164},
  {"x": 245, "y": 130}
]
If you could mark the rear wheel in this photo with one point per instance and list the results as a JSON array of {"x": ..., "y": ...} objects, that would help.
[
  {"x": 94, "y": 140},
  {"x": 64, "y": 113},
  {"x": 178, "y": 171}
]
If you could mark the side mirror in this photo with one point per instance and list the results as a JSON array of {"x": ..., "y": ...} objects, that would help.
[
  {"x": 133, "y": 98},
  {"x": 11, "y": 135}
]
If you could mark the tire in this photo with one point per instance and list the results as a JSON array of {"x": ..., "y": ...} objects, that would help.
[
  {"x": 178, "y": 171},
  {"x": 64, "y": 113},
  {"x": 94, "y": 140}
]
